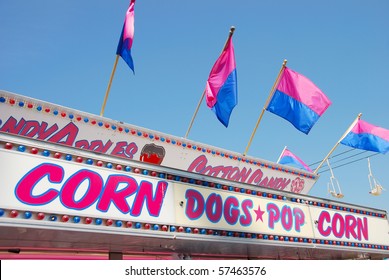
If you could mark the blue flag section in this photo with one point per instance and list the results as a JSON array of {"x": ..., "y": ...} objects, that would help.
[
  {"x": 366, "y": 136},
  {"x": 298, "y": 100},
  {"x": 227, "y": 99},
  {"x": 125, "y": 52}
]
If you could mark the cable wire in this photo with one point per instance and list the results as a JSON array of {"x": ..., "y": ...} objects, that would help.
[
  {"x": 352, "y": 149},
  {"x": 342, "y": 159},
  {"x": 347, "y": 163}
]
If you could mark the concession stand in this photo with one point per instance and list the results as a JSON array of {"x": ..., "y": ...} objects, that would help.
[{"x": 79, "y": 186}]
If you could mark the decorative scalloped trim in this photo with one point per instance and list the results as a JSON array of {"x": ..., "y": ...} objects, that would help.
[{"x": 143, "y": 227}]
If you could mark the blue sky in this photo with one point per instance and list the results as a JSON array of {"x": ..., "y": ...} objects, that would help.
[{"x": 63, "y": 52}]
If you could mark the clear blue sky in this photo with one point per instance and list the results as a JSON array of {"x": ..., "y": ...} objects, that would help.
[{"x": 63, "y": 52}]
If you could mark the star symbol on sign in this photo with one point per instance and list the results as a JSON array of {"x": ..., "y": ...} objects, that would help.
[{"x": 259, "y": 213}]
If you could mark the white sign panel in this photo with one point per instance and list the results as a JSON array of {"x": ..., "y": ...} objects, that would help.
[
  {"x": 226, "y": 210},
  {"x": 32, "y": 181},
  {"x": 349, "y": 226},
  {"x": 36, "y": 183}
]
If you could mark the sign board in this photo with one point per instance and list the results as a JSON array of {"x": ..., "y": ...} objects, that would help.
[
  {"x": 39, "y": 181},
  {"x": 35, "y": 119}
]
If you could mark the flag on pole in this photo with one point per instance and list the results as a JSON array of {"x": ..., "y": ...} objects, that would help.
[
  {"x": 366, "y": 136},
  {"x": 221, "y": 89},
  {"x": 298, "y": 100},
  {"x": 287, "y": 157},
  {"x": 127, "y": 37}
]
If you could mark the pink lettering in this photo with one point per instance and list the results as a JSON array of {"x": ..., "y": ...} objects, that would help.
[
  {"x": 231, "y": 210},
  {"x": 274, "y": 214},
  {"x": 299, "y": 218},
  {"x": 234, "y": 174},
  {"x": 283, "y": 183},
  {"x": 362, "y": 228},
  {"x": 25, "y": 187},
  {"x": 12, "y": 126},
  {"x": 337, "y": 225},
  {"x": 68, "y": 134},
  {"x": 119, "y": 149},
  {"x": 194, "y": 204},
  {"x": 243, "y": 175},
  {"x": 214, "y": 205},
  {"x": 90, "y": 195},
  {"x": 340, "y": 226},
  {"x": 215, "y": 208},
  {"x": 43, "y": 132},
  {"x": 118, "y": 198},
  {"x": 95, "y": 145},
  {"x": 290, "y": 218},
  {"x": 286, "y": 218},
  {"x": 123, "y": 149},
  {"x": 85, "y": 187},
  {"x": 98, "y": 146},
  {"x": 256, "y": 177},
  {"x": 245, "y": 219},
  {"x": 324, "y": 217},
  {"x": 145, "y": 194},
  {"x": 82, "y": 144},
  {"x": 199, "y": 165},
  {"x": 30, "y": 129}
]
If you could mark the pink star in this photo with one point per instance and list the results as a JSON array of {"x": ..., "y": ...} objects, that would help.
[{"x": 259, "y": 213}]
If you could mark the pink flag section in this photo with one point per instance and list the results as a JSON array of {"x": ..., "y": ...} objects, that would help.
[
  {"x": 220, "y": 72},
  {"x": 368, "y": 137},
  {"x": 303, "y": 90},
  {"x": 365, "y": 127},
  {"x": 128, "y": 29}
]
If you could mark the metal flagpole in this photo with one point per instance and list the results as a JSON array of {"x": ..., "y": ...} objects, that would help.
[
  {"x": 337, "y": 143},
  {"x": 194, "y": 115},
  {"x": 279, "y": 158},
  {"x": 232, "y": 29},
  {"x": 264, "y": 107},
  {"x": 109, "y": 85}
]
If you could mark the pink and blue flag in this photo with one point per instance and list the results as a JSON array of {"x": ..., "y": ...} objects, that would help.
[
  {"x": 127, "y": 37},
  {"x": 221, "y": 89},
  {"x": 298, "y": 100},
  {"x": 366, "y": 136},
  {"x": 287, "y": 157}
]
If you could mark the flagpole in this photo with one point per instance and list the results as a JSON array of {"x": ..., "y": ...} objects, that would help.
[
  {"x": 232, "y": 29},
  {"x": 337, "y": 143},
  {"x": 279, "y": 158},
  {"x": 266, "y": 104},
  {"x": 109, "y": 85}
]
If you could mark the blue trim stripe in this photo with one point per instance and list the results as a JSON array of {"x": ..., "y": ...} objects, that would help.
[{"x": 298, "y": 114}]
